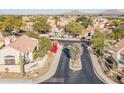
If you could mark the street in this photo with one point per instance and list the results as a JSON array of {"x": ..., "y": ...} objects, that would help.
[{"x": 64, "y": 75}]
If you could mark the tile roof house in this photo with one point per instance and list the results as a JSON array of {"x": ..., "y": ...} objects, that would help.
[
  {"x": 119, "y": 45},
  {"x": 89, "y": 29},
  {"x": 88, "y": 32},
  {"x": 28, "y": 23},
  {"x": 63, "y": 21},
  {"x": 51, "y": 23},
  {"x": 118, "y": 49},
  {"x": 23, "y": 45}
]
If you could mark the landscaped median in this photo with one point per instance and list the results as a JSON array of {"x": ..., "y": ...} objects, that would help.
[
  {"x": 75, "y": 56},
  {"x": 35, "y": 74},
  {"x": 77, "y": 66}
]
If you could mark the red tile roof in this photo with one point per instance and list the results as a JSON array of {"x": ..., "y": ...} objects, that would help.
[
  {"x": 24, "y": 44},
  {"x": 89, "y": 29},
  {"x": 119, "y": 45}
]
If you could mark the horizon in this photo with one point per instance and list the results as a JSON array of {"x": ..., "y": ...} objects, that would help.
[{"x": 52, "y": 11}]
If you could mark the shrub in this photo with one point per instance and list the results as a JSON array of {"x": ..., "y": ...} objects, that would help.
[
  {"x": 36, "y": 55},
  {"x": 6, "y": 70},
  {"x": 5, "y": 33},
  {"x": 32, "y": 34},
  {"x": 44, "y": 44},
  {"x": 2, "y": 46}
]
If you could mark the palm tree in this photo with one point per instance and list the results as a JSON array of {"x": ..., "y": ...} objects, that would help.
[
  {"x": 75, "y": 52},
  {"x": 101, "y": 41},
  {"x": 21, "y": 63}
]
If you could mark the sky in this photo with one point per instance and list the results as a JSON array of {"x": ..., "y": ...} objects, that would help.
[{"x": 49, "y": 11}]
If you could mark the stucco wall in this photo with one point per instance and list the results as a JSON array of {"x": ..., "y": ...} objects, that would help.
[
  {"x": 9, "y": 51},
  {"x": 35, "y": 65},
  {"x": 11, "y": 68},
  {"x": 28, "y": 67}
]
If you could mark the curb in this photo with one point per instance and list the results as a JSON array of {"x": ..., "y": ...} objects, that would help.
[
  {"x": 101, "y": 75},
  {"x": 15, "y": 81},
  {"x": 64, "y": 39},
  {"x": 52, "y": 70}
]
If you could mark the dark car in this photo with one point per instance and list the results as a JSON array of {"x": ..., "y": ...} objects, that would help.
[
  {"x": 16, "y": 33},
  {"x": 67, "y": 52},
  {"x": 82, "y": 39}
]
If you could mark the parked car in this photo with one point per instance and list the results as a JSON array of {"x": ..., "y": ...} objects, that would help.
[
  {"x": 51, "y": 36},
  {"x": 67, "y": 52},
  {"x": 16, "y": 33}
]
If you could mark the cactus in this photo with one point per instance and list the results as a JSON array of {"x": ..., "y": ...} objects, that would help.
[{"x": 21, "y": 63}]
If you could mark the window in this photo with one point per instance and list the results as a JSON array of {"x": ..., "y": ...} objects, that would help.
[{"x": 9, "y": 60}]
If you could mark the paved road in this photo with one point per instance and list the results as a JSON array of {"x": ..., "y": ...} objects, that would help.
[{"x": 64, "y": 75}]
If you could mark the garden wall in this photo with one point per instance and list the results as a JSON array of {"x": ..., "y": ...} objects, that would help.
[
  {"x": 28, "y": 67},
  {"x": 35, "y": 65},
  {"x": 10, "y": 68}
]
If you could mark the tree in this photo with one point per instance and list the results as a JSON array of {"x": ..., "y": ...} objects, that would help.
[
  {"x": 85, "y": 21},
  {"x": 75, "y": 52},
  {"x": 40, "y": 24},
  {"x": 21, "y": 63},
  {"x": 36, "y": 55},
  {"x": 44, "y": 44},
  {"x": 119, "y": 32},
  {"x": 74, "y": 28},
  {"x": 10, "y": 23},
  {"x": 32, "y": 34},
  {"x": 82, "y": 18},
  {"x": 57, "y": 18},
  {"x": 114, "y": 22},
  {"x": 99, "y": 40}
]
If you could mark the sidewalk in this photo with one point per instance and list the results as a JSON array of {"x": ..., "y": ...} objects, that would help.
[
  {"x": 52, "y": 70},
  {"x": 98, "y": 70},
  {"x": 50, "y": 73},
  {"x": 15, "y": 81}
]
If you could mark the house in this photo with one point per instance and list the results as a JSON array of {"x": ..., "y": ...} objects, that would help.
[
  {"x": 23, "y": 45},
  {"x": 100, "y": 23},
  {"x": 28, "y": 23},
  {"x": 63, "y": 21},
  {"x": 51, "y": 22},
  {"x": 118, "y": 50},
  {"x": 88, "y": 32}
]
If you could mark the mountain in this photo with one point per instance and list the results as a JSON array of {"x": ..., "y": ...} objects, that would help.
[
  {"x": 112, "y": 12},
  {"x": 73, "y": 12}
]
